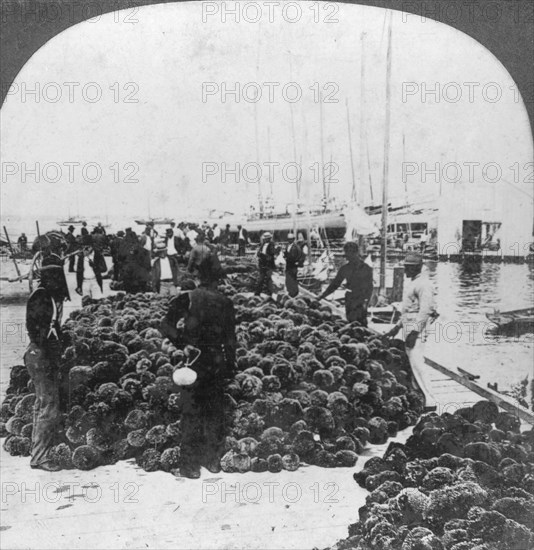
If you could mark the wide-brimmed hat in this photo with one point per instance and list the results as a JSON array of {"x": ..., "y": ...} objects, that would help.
[
  {"x": 290, "y": 235},
  {"x": 267, "y": 235},
  {"x": 413, "y": 258},
  {"x": 71, "y": 228}
]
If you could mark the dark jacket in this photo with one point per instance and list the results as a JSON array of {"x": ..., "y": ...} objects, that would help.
[
  {"x": 245, "y": 235},
  {"x": 294, "y": 256},
  {"x": 43, "y": 321},
  {"x": 99, "y": 266},
  {"x": 209, "y": 325},
  {"x": 359, "y": 280},
  {"x": 266, "y": 255}
]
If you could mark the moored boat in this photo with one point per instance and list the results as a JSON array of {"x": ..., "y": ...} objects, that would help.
[{"x": 517, "y": 320}]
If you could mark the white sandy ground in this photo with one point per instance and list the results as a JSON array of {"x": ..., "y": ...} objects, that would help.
[{"x": 122, "y": 506}]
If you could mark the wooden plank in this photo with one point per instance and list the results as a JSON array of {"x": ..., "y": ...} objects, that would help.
[{"x": 503, "y": 401}]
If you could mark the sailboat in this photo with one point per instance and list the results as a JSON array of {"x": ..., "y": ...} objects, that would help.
[{"x": 72, "y": 220}]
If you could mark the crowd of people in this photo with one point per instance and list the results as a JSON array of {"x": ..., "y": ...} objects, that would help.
[
  {"x": 208, "y": 318},
  {"x": 141, "y": 260}
]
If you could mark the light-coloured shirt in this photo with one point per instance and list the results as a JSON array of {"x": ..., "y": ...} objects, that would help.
[
  {"x": 88, "y": 271},
  {"x": 418, "y": 303},
  {"x": 171, "y": 249}
]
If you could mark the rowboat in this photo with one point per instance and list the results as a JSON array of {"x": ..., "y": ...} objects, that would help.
[{"x": 517, "y": 320}]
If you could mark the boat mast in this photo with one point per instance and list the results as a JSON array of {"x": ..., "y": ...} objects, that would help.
[
  {"x": 362, "y": 111},
  {"x": 353, "y": 196},
  {"x": 260, "y": 196},
  {"x": 296, "y": 190},
  {"x": 325, "y": 196},
  {"x": 385, "y": 176}
]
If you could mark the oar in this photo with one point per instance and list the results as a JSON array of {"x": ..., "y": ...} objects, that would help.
[{"x": 12, "y": 252}]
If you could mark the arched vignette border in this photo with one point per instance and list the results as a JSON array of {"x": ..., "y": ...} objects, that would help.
[{"x": 504, "y": 27}]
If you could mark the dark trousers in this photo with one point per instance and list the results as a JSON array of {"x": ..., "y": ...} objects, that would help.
[
  {"x": 46, "y": 412},
  {"x": 355, "y": 310},
  {"x": 265, "y": 280},
  {"x": 173, "y": 262},
  {"x": 203, "y": 425},
  {"x": 72, "y": 261},
  {"x": 292, "y": 284},
  {"x": 241, "y": 247}
]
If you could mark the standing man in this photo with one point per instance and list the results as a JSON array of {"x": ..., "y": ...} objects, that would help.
[
  {"x": 200, "y": 252},
  {"x": 71, "y": 242},
  {"x": 23, "y": 243},
  {"x": 209, "y": 326},
  {"x": 43, "y": 322},
  {"x": 359, "y": 281},
  {"x": 115, "y": 248},
  {"x": 418, "y": 305},
  {"x": 225, "y": 236},
  {"x": 216, "y": 234},
  {"x": 266, "y": 265},
  {"x": 294, "y": 259},
  {"x": 84, "y": 231},
  {"x": 172, "y": 253},
  {"x": 242, "y": 240},
  {"x": 423, "y": 241},
  {"x": 91, "y": 265},
  {"x": 160, "y": 256}
]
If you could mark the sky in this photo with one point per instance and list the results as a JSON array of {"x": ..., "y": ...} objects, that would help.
[{"x": 154, "y": 144}]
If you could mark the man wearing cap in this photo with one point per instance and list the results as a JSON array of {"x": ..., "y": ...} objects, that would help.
[
  {"x": 23, "y": 242},
  {"x": 172, "y": 253},
  {"x": 358, "y": 277},
  {"x": 43, "y": 322},
  {"x": 418, "y": 304},
  {"x": 71, "y": 242},
  {"x": 266, "y": 264},
  {"x": 84, "y": 231},
  {"x": 294, "y": 259},
  {"x": 209, "y": 326},
  {"x": 159, "y": 256}
]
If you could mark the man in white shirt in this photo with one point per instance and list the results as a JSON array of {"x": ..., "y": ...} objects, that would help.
[
  {"x": 191, "y": 236},
  {"x": 418, "y": 304},
  {"x": 242, "y": 240},
  {"x": 216, "y": 233},
  {"x": 172, "y": 254},
  {"x": 88, "y": 274}
]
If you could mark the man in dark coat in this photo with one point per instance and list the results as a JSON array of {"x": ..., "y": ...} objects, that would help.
[
  {"x": 209, "y": 326},
  {"x": 294, "y": 259},
  {"x": 71, "y": 247},
  {"x": 43, "y": 322},
  {"x": 136, "y": 274},
  {"x": 266, "y": 266},
  {"x": 84, "y": 231},
  {"x": 359, "y": 281}
]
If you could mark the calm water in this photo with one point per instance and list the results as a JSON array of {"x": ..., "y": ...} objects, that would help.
[{"x": 464, "y": 337}]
